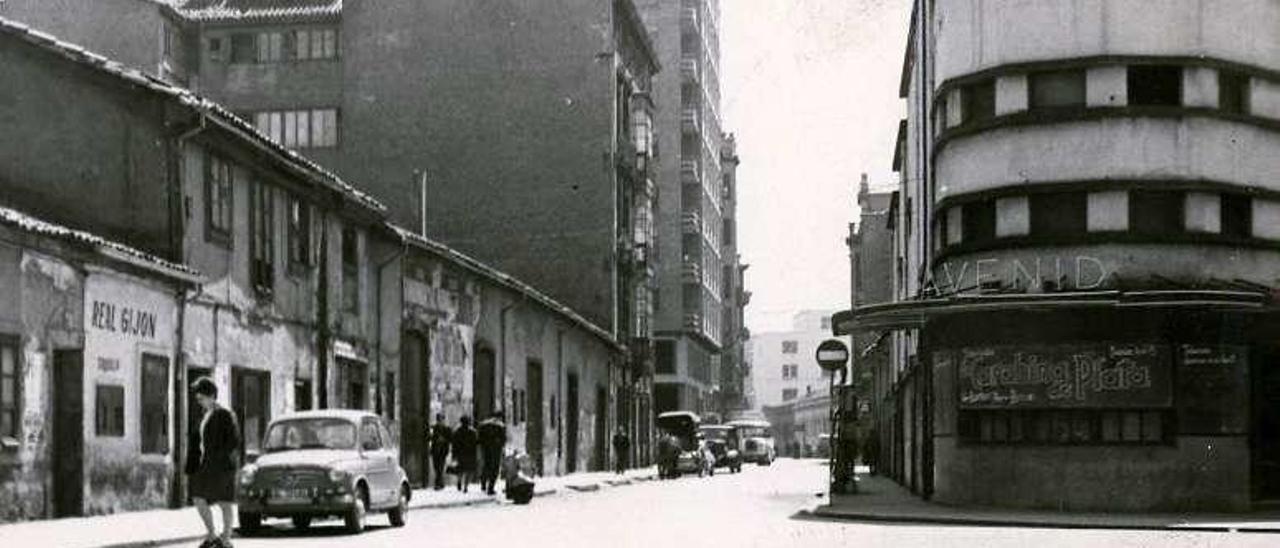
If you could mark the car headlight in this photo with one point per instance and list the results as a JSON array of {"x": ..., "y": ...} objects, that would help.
[
  {"x": 247, "y": 473},
  {"x": 337, "y": 476}
]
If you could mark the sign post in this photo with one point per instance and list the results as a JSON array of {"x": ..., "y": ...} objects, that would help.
[{"x": 833, "y": 356}]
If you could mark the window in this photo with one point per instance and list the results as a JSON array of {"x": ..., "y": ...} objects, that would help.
[
  {"x": 370, "y": 435},
  {"x": 790, "y": 371},
  {"x": 1056, "y": 89},
  {"x": 1064, "y": 427},
  {"x": 665, "y": 357},
  {"x": 1237, "y": 215},
  {"x": 978, "y": 102},
  {"x": 270, "y": 47},
  {"x": 1156, "y": 213},
  {"x": 789, "y": 394},
  {"x": 790, "y": 347},
  {"x": 302, "y": 395},
  {"x": 306, "y": 44},
  {"x": 155, "y": 404},
  {"x": 1059, "y": 214},
  {"x": 1233, "y": 92},
  {"x": 217, "y": 48},
  {"x": 316, "y": 128},
  {"x": 243, "y": 48},
  {"x": 299, "y": 232},
  {"x": 109, "y": 410},
  {"x": 262, "y": 238},
  {"x": 1151, "y": 85},
  {"x": 350, "y": 270},
  {"x": 10, "y": 388},
  {"x": 978, "y": 221},
  {"x": 217, "y": 199},
  {"x": 355, "y": 382}
]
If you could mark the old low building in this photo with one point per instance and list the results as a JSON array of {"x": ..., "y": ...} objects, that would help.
[{"x": 88, "y": 345}]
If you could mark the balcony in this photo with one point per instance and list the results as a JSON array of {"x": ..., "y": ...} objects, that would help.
[
  {"x": 691, "y": 273},
  {"x": 690, "y": 173},
  {"x": 691, "y": 121},
  {"x": 689, "y": 70},
  {"x": 691, "y": 223},
  {"x": 689, "y": 20}
]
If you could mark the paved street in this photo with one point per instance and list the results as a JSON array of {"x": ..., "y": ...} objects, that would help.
[{"x": 759, "y": 507}]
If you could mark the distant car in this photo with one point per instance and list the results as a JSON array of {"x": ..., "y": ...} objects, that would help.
[
  {"x": 722, "y": 440},
  {"x": 756, "y": 437},
  {"x": 319, "y": 464}
]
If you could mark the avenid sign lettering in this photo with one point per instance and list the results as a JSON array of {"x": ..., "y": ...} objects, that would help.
[{"x": 1064, "y": 376}]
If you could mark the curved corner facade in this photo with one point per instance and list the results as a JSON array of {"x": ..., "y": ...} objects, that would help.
[{"x": 1089, "y": 231}]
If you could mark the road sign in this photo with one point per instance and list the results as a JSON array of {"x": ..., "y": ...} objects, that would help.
[{"x": 832, "y": 355}]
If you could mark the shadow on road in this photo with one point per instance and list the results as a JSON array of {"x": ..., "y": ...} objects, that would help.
[{"x": 285, "y": 530}]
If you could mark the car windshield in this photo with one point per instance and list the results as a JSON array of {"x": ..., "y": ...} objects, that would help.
[
  {"x": 320, "y": 433},
  {"x": 715, "y": 434}
]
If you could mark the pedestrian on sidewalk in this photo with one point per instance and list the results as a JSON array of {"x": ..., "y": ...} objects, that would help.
[
  {"x": 213, "y": 461},
  {"x": 621, "y": 450},
  {"x": 440, "y": 440},
  {"x": 493, "y": 437},
  {"x": 464, "y": 453}
]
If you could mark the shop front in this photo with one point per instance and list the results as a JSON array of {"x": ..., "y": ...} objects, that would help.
[{"x": 1091, "y": 401}]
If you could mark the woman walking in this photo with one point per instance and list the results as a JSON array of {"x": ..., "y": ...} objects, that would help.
[
  {"x": 464, "y": 453},
  {"x": 212, "y": 462}
]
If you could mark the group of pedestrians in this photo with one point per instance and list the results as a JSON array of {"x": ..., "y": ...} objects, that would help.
[{"x": 454, "y": 451}]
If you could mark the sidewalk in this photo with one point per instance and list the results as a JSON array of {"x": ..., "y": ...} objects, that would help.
[
  {"x": 164, "y": 527},
  {"x": 880, "y": 499}
]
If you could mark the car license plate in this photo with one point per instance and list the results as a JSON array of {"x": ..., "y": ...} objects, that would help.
[{"x": 290, "y": 495}]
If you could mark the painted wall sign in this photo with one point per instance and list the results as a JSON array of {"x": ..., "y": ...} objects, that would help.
[
  {"x": 124, "y": 320},
  {"x": 1082, "y": 272},
  {"x": 1213, "y": 389},
  {"x": 1058, "y": 376}
]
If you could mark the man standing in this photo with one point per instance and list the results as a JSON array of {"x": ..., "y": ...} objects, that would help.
[
  {"x": 621, "y": 450},
  {"x": 493, "y": 437},
  {"x": 440, "y": 439}
]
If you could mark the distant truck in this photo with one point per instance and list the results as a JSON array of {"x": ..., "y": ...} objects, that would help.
[{"x": 756, "y": 439}]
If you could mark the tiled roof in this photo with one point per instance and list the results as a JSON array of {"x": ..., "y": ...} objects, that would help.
[
  {"x": 217, "y": 10},
  {"x": 27, "y": 223},
  {"x": 290, "y": 158},
  {"x": 505, "y": 280}
]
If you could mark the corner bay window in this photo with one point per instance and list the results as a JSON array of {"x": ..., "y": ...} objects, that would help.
[{"x": 1065, "y": 426}]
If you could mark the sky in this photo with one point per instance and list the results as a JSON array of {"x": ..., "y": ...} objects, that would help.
[{"x": 810, "y": 88}]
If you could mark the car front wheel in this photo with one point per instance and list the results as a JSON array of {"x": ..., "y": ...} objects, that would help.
[
  {"x": 399, "y": 514},
  {"x": 356, "y": 515}
]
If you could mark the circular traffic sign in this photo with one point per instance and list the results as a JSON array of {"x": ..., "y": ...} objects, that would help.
[{"x": 832, "y": 355}]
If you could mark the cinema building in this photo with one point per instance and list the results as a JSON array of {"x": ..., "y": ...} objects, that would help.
[{"x": 1087, "y": 244}]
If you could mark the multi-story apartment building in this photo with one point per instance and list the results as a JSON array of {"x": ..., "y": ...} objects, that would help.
[
  {"x": 871, "y": 262},
  {"x": 691, "y": 211},
  {"x": 784, "y": 367},
  {"x": 734, "y": 296},
  {"x": 1085, "y": 253},
  {"x": 520, "y": 136}
]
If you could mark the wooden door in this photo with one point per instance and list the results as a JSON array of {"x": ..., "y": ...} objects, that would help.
[
  {"x": 535, "y": 432},
  {"x": 68, "y": 433}
]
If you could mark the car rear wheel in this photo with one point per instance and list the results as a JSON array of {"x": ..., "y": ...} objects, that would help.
[
  {"x": 399, "y": 514},
  {"x": 250, "y": 523},
  {"x": 301, "y": 522},
  {"x": 356, "y": 515}
]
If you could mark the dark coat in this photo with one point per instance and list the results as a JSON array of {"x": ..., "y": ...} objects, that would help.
[
  {"x": 464, "y": 448},
  {"x": 493, "y": 435},
  {"x": 221, "y": 439},
  {"x": 621, "y": 442},
  {"x": 440, "y": 439}
]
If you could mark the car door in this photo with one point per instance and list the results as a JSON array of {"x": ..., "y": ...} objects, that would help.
[{"x": 376, "y": 462}]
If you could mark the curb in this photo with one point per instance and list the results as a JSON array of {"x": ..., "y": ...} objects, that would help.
[{"x": 1020, "y": 523}]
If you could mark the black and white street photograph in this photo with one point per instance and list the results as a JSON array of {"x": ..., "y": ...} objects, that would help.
[{"x": 639, "y": 273}]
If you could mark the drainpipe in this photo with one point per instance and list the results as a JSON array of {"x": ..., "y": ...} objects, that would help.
[
  {"x": 177, "y": 235},
  {"x": 404, "y": 246}
]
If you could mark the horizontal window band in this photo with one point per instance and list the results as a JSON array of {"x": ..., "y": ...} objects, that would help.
[
  {"x": 1187, "y": 239},
  {"x": 1021, "y": 189},
  {"x": 1052, "y": 116},
  {"x": 1098, "y": 61}
]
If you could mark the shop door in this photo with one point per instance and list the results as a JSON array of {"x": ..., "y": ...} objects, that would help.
[
  {"x": 415, "y": 417},
  {"x": 571, "y": 425},
  {"x": 251, "y": 402},
  {"x": 1265, "y": 433},
  {"x": 602, "y": 428},
  {"x": 535, "y": 433},
  {"x": 68, "y": 432},
  {"x": 482, "y": 383}
]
